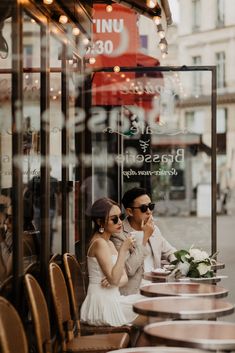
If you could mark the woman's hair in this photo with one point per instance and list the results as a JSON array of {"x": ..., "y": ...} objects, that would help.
[{"x": 100, "y": 210}]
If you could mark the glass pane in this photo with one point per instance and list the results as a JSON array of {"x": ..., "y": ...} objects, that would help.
[
  {"x": 56, "y": 123},
  {"x": 150, "y": 130},
  {"x": 5, "y": 150},
  {"x": 31, "y": 137}
]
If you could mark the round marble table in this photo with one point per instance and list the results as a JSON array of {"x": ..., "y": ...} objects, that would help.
[
  {"x": 157, "y": 350},
  {"x": 183, "y": 289},
  {"x": 211, "y": 335},
  {"x": 151, "y": 276},
  {"x": 184, "y": 308}
]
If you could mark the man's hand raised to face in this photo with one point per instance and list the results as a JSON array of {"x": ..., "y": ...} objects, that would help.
[{"x": 148, "y": 228}]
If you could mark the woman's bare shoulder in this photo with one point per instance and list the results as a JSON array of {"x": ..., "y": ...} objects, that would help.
[{"x": 97, "y": 244}]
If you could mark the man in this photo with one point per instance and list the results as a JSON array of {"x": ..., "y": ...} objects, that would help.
[
  {"x": 34, "y": 188},
  {"x": 150, "y": 248}
]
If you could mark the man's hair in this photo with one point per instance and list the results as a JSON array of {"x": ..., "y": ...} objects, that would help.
[{"x": 130, "y": 195}]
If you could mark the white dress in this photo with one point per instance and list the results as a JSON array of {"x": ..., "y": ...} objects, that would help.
[{"x": 106, "y": 306}]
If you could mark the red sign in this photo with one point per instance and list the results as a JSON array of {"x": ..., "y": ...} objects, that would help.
[
  {"x": 115, "y": 34},
  {"x": 116, "y": 43}
]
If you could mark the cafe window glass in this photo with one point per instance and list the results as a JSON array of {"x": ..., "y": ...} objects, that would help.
[
  {"x": 197, "y": 76},
  {"x": 220, "y": 63},
  {"x": 196, "y": 14},
  {"x": 145, "y": 135},
  {"x": 220, "y": 13}
]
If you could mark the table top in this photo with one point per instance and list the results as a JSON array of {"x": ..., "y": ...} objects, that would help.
[
  {"x": 212, "y": 335},
  {"x": 183, "y": 289},
  {"x": 151, "y": 276},
  {"x": 158, "y": 350},
  {"x": 184, "y": 308}
]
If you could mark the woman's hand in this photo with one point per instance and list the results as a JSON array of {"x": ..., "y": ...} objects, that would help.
[
  {"x": 105, "y": 283},
  {"x": 128, "y": 243}
]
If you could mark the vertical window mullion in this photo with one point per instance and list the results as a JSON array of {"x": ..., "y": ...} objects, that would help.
[
  {"x": 220, "y": 63},
  {"x": 17, "y": 148}
]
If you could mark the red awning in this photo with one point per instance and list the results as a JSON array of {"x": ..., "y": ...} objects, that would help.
[
  {"x": 128, "y": 60},
  {"x": 127, "y": 88}
]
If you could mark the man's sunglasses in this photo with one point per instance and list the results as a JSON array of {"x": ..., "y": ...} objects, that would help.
[
  {"x": 115, "y": 219},
  {"x": 144, "y": 208}
]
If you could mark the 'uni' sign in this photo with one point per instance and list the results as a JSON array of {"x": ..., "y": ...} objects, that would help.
[{"x": 109, "y": 26}]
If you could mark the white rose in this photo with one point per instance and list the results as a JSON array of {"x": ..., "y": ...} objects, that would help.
[
  {"x": 198, "y": 255},
  {"x": 203, "y": 268},
  {"x": 183, "y": 267}
]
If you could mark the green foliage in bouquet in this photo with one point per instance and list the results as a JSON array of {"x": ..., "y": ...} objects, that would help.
[{"x": 193, "y": 263}]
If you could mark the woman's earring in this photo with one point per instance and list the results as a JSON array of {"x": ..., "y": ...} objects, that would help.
[{"x": 101, "y": 230}]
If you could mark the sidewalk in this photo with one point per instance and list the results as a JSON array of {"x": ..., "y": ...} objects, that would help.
[{"x": 186, "y": 231}]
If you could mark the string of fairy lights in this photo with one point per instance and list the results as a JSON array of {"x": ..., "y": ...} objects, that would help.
[{"x": 152, "y": 4}]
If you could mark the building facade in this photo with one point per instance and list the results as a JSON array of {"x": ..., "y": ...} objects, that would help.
[{"x": 210, "y": 40}]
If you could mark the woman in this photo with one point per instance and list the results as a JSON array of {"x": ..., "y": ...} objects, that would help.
[{"x": 103, "y": 304}]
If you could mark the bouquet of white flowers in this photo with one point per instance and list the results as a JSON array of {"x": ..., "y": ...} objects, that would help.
[{"x": 194, "y": 263}]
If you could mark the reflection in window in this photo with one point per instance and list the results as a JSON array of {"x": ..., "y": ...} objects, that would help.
[
  {"x": 28, "y": 58},
  {"x": 220, "y": 63},
  {"x": 196, "y": 14},
  {"x": 221, "y": 128},
  {"x": 197, "y": 77},
  {"x": 221, "y": 120},
  {"x": 220, "y": 13},
  {"x": 144, "y": 41},
  {"x": 194, "y": 122}
]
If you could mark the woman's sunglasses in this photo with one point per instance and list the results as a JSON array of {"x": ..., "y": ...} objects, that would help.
[
  {"x": 144, "y": 208},
  {"x": 115, "y": 219}
]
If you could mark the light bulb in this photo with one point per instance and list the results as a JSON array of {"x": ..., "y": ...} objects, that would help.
[
  {"x": 116, "y": 69},
  {"x": 160, "y": 31},
  {"x": 63, "y": 19},
  {"x": 48, "y": 2},
  {"x": 157, "y": 20},
  {"x": 163, "y": 44},
  {"x": 92, "y": 60},
  {"x": 161, "y": 34},
  {"x": 151, "y": 3},
  {"x": 76, "y": 31},
  {"x": 109, "y": 8},
  {"x": 85, "y": 41}
]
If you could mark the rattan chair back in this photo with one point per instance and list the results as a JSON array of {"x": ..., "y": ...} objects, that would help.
[
  {"x": 75, "y": 281},
  {"x": 61, "y": 302},
  {"x": 40, "y": 316},
  {"x": 94, "y": 343},
  {"x": 12, "y": 334}
]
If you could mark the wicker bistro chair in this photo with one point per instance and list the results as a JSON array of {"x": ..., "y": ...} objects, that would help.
[
  {"x": 93, "y": 343},
  {"x": 12, "y": 334},
  {"x": 77, "y": 293},
  {"x": 39, "y": 312},
  {"x": 6, "y": 288}
]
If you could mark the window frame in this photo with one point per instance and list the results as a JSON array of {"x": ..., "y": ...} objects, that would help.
[
  {"x": 220, "y": 13},
  {"x": 220, "y": 60},
  {"x": 196, "y": 4}
]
